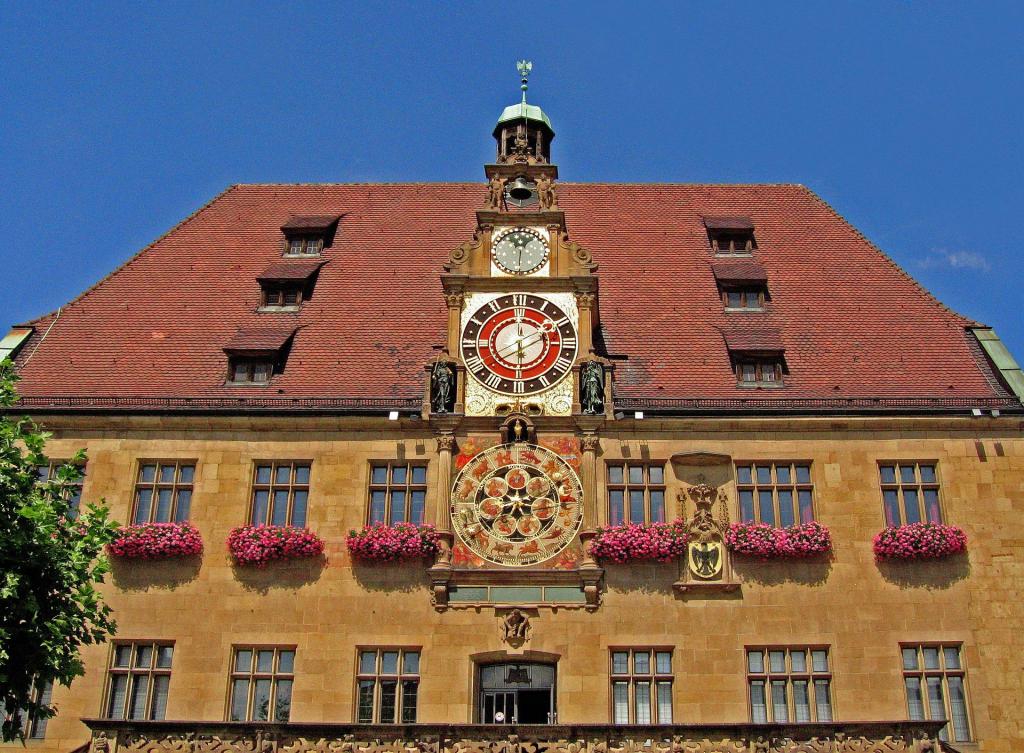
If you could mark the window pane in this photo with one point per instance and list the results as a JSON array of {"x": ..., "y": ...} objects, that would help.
[
  {"x": 243, "y": 660},
  {"x": 144, "y": 656},
  {"x": 663, "y": 662},
  {"x": 279, "y": 514},
  {"x": 755, "y": 661},
  {"x": 656, "y": 474},
  {"x": 367, "y": 662},
  {"x": 931, "y": 657},
  {"x": 764, "y": 474},
  {"x": 147, "y": 473},
  {"x": 766, "y": 506},
  {"x": 915, "y": 704},
  {"x": 302, "y": 474},
  {"x": 419, "y": 501},
  {"x": 163, "y": 506},
  {"x": 283, "y": 701},
  {"x": 664, "y": 702},
  {"x": 642, "y": 662},
  {"x": 163, "y": 656},
  {"x": 137, "y": 703},
  {"x": 819, "y": 661},
  {"x": 823, "y": 700},
  {"x": 299, "y": 508},
  {"x": 620, "y": 695},
  {"x": 743, "y": 474},
  {"x": 616, "y": 512},
  {"x": 777, "y": 661},
  {"x": 936, "y": 706},
  {"x": 118, "y": 689},
  {"x": 758, "y": 708},
  {"x": 657, "y": 506},
  {"x": 927, "y": 474},
  {"x": 636, "y": 506},
  {"x": 389, "y": 663},
  {"x": 419, "y": 474},
  {"x": 286, "y": 662},
  {"x": 259, "y": 507},
  {"x": 379, "y": 474},
  {"x": 282, "y": 474},
  {"x": 410, "y": 690},
  {"x": 397, "y": 506},
  {"x": 734, "y": 299},
  {"x": 783, "y": 475},
  {"x": 158, "y": 706},
  {"x": 183, "y": 506},
  {"x": 388, "y": 700},
  {"x": 958, "y": 706},
  {"x": 265, "y": 661},
  {"x": 398, "y": 474},
  {"x": 787, "y": 516},
  {"x": 803, "y": 474},
  {"x": 911, "y": 508},
  {"x": 263, "y": 474},
  {"x": 38, "y": 728},
  {"x": 780, "y": 711},
  {"x": 643, "y": 703},
  {"x": 167, "y": 474},
  {"x": 411, "y": 663},
  {"x": 186, "y": 474},
  {"x": 615, "y": 474},
  {"x": 620, "y": 662},
  {"x": 239, "y": 699},
  {"x": 365, "y": 701},
  {"x": 806, "y": 508},
  {"x": 798, "y": 661},
  {"x": 261, "y": 700},
  {"x": 910, "y": 658},
  {"x": 888, "y": 474},
  {"x": 907, "y": 474},
  {"x": 892, "y": 508},
  {"x": 801, "y": 702},
  {"x": 746, "y": 505},
  {"x": 931, "y": 506},
  {"x": 636, "y": 474},
  {"x": 142, "y": 503},
  {"x": 951, "y": 656},
  {"x": 378, "y": 502}
]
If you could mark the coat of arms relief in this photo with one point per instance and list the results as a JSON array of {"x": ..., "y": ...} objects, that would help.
[{"x": 707, "y": 559}]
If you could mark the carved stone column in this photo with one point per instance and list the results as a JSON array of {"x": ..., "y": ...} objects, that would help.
[
  {"x": 590, "y": 571},
  {"x": 441, "y": 571},
  {"x": 455, "y": 302}
]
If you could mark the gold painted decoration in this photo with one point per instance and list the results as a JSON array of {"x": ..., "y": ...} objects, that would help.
[
  {"x": 705, "y": 558},
  {"x": 516, "y": 504}
]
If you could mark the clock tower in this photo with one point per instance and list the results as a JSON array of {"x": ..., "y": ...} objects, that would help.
[{"x": 519, "y": 394}]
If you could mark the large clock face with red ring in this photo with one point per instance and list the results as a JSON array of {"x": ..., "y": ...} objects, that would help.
[{"x": 519, "y": 344}]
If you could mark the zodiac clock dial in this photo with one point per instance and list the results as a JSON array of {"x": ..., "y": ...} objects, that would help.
[
  {"x": 520, "y": 251},
  {"x": 519, "y": 344},
  {"x": 517, "y": 504}
]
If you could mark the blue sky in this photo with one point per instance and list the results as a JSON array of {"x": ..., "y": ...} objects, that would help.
[{"x": 118, "y": 120}]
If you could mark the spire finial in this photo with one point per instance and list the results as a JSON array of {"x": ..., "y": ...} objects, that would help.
[{"x": 524, "y": 66}]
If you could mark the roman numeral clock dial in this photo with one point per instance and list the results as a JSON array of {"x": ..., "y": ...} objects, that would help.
[{"x": 519, "y": 344}]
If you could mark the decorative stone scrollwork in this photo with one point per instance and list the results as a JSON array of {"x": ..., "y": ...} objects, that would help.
[
  {"x": 445, "y": 442},
  {"x": 590, "y": 443},
  {"x": 460, "y": 254},
  {"x": 455, "y": 300},
  {"x": 579, "y": 254}
]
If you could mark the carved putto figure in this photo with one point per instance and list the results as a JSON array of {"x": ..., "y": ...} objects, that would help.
[
  {"x": 442, "y": 388},
  {"x": 516, "y": 626},
  {"x": 592, "y": 387}
]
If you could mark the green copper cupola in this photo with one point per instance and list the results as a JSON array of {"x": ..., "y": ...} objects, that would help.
[{"x": 523, "y": 131}]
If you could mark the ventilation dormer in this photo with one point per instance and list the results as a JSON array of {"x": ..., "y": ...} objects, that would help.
[
  {"x": 284, "y": 285},
  {"x": 742, "y": 284},
  {"x": 758, "y": 357},
  {"x": 731, "y": 236},
  {"x": 256, "y": 355},
  {"x": 308, "y": 235}
]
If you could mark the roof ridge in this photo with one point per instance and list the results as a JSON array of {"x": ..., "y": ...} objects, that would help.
[
  {"x": 961, "y": 319},
  {"x": 484, "y": 182},
  {"x": 92, "y": 288}
]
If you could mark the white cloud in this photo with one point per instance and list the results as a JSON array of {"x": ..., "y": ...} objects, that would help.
[{"x": 942, "y": 258}]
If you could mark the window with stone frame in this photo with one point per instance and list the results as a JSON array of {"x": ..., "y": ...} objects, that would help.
[
  {"x": 387, "y": 682},
  {"x": 789, "y": 684},
  {"x": 397, "y": 493},
  {"x": 280, "y": 493},
  {"x": 33, "y": 728},
  {"x": 163, "y": 491},
  {"x": 641, "y": 681},
  {"x": 138, "y": 680},
  {"x": 935, "y": 679},
  {"x": 74, "y": 492},
  {"x": 910, "y": 492},
  {"x": 777, "y": 493},
  {"x": 636, "y": 492},
  {"x": 261, "y": 684}
]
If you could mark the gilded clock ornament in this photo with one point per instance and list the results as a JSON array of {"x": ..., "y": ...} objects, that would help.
[
  {"x": 520, "y": 251},
  {"x": 517, "y": 504},
  {"x": 519, "y": 344}
]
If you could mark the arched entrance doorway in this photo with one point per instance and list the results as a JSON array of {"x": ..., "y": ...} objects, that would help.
[{"x": 517, "y": 693}]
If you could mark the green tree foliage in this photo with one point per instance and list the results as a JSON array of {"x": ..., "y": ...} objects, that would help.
[{"x": 50, "y": 564}]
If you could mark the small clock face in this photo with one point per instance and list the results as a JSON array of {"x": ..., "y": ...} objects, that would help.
[
  {"x": 519, "y": 344},
  {"x": 517, "y": 504},
  {"x": 520, "y": 251}
]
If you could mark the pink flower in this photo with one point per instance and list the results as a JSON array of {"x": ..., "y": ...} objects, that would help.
[
  {"x": 385, "y": 543},
  {"x": 916, "y": 541},
  {"x": 259, "y": 545},
  {"x": 661, "y": 542},
  {"x": 768, "y": 542},
  {"x": 156, "y": 541}
]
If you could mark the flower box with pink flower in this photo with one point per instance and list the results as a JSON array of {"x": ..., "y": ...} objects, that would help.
[
  {"x": 919, "y": 541},
  {"x": 630, "y": 542},
  {"x": 258, "y": 546},
  {"x": 389, "y": 543},
  {"x": 154, "y": 541},
  {"x": 768, "y": 542}
]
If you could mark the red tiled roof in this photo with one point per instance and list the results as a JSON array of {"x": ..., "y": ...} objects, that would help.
[
  {"x": 310, "y": 221},
  {"x": 291, "y": 269},
  {"x": 728, "y": 223},
  {"x": 259, "y": 340},
  {"x": 854, "y": 324},
  {"x": 754, "y": 340},
  {"x": 742, "y": 270}
]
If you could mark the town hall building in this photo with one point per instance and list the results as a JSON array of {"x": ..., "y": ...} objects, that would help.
[{"x": 529, "y": 465}]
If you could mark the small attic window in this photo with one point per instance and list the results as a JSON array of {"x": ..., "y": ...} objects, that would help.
[
  {"x": 255, "y": 355},
  {"x": 744, "y": 298},
  {"x": 731, "y": 236},
  {"x": 757, "y": 357},
  {"x": 251, "y": 370},
  {"x": 308, "y": 235},
  {"x": 286, "y": 295},
  {"x": 305, "y": 245},
  {"x": 287, "y": 283},
  {"x": 760, "y": 371}
]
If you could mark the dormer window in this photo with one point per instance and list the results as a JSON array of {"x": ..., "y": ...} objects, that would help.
[
  {"x": 731, "y": 236},
  {"x": 287, "y": 283},
  {"x": 286, "y": 296},
  {"x": 757, "y": 357},
  {"x": 744, "y": 299},
  {"x": 305, "y": 245},
  {"x": 255, "y": 355},
  {"x": 308, "y": 235}
]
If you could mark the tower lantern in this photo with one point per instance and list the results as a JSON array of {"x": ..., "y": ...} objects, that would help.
[{"x": 524, "y": 132}]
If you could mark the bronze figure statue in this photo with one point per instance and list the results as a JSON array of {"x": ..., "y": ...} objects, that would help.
[
  {"x": 442, "y": 388},
  {"x": 592, "y": 387}
]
